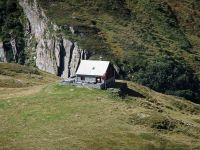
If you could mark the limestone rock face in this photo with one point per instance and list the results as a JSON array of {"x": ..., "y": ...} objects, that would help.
[
  {"x": 54, "y": 54},
  {"x": 14, "y": 49},
  {"x": 2, "y": 53},
  {"x": 3, "y": 57}
]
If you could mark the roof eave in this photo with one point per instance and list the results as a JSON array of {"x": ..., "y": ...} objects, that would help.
[{"x": 89, "y": 75}]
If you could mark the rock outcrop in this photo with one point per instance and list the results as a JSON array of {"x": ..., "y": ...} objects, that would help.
[
  {"x": 2, "y": 53},
  {"x": 14, "y": 49},
  {"x": 53, "y": 53}
]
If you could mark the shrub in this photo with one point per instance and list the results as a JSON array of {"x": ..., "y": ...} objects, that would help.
[
  {"x": 167, "y": 124},
  {"x": 12, "y": 28},
  {"x": 170, "y": 76}
]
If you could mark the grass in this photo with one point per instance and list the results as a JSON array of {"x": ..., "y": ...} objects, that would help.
[
  {"x": 16, "y": 76},
  {"x": 151, "y": 29},
  {"x": 67, "y": 117},
  {"x": 134, "y": 34}
]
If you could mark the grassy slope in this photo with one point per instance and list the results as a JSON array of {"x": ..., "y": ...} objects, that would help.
[
  {"x": 135, "y": 34},
  {"x": 188, "y": 14},
  {"x": 153, "y": 28},
  {"x": 14, "y": 75},
  {"x": 65, "y": 117}
]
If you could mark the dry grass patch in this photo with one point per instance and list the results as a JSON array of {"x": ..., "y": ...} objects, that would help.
[{"x": 68, "y": 117}]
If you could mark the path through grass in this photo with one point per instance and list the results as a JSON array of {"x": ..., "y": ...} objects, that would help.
[{"x": 67, "y": 117}]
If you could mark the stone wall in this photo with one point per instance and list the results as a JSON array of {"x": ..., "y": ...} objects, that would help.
[{"x": 88, "y": 79}]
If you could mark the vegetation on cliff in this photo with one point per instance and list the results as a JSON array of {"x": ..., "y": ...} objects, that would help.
[
  {"x": 12, "y": 30},
  {"x": 138, "y": 33},
  {"x": 145, "y": 38}
]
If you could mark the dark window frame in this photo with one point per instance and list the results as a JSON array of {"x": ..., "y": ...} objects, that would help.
[
  {"x": 82, "y": 78},
  {"x": 100, "y": 81}
]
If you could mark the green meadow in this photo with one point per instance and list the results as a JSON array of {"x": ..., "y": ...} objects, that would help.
[{"x": 53, "y": 116}]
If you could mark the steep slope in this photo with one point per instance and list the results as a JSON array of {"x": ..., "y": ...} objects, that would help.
[
  {"x": 136, "y": 29},
  {"x": 11, "y": 32},
  {"x": 188, "y": 14},
  {"x": 54, "y": 53},
  {"x": 146, "y": 37},
  {"x": 35, "y": 41}
]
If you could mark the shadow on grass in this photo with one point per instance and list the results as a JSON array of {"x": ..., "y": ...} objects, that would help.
[
  {"x": 133, "y": 93},
  {"x": 125, "y": 91}
]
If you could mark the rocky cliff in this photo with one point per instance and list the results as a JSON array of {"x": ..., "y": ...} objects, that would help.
[
  {"x": 45, "y": 45},
  {"x": 53, "y": 52},
  {"x": 2, "y": 55},
  {"x": 155, "y": 43}
]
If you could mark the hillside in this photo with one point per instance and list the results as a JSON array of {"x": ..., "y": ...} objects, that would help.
[
  {"x": 153, "y": 42},
  {"x": 17, "y": 76},
  {"x": 135, "y": 30},
  {"x": 155, "y": 46},
  {"x": 144, "y": 36},
  {"x": 68, "y": 117}
]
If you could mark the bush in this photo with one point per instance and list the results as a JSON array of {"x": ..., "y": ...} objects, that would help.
[
  {"x": 12, "y": 28},
  {"x": 167, "y": 124},
  {"x": 170, "y": 76}
]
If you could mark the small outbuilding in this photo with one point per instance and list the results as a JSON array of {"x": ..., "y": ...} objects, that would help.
[{"x": 96, "y": 74}]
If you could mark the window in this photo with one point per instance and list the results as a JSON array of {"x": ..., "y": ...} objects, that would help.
[
  {"x": 82, "y": 78},
  {"x": 98, "y": 80}
]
